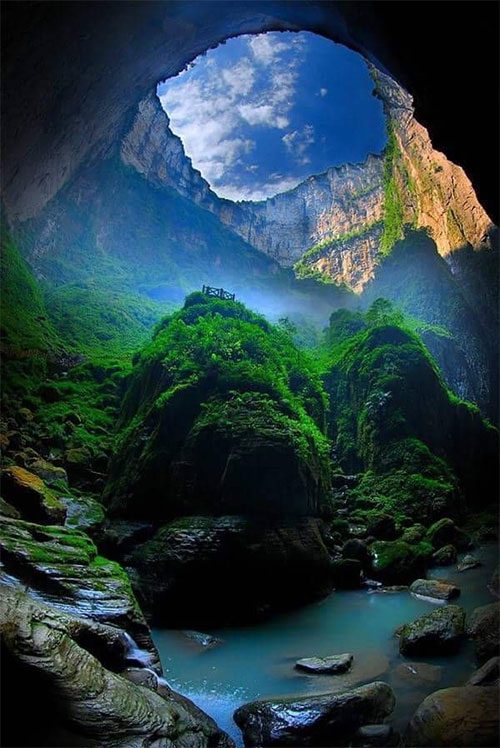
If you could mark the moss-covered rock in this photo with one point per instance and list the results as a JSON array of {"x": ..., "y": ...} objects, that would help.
[
  {"x": 397, "y": 562},
  {"x": 444, "y": 532},
  {"x": 484, "y": 628},
  {"x": 31, "y": 497},
  {"x": 436, "y": 633},
  {"x": 63, "y": 567},
  {"x": 424, "y": 453},
  {"x": 445, "y": 556},
  {"x": 222, "y": 415},
  {"x": 414, "y": 533}
]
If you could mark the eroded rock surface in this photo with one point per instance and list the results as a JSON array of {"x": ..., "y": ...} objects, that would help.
[{"x": 322, "y": 719}]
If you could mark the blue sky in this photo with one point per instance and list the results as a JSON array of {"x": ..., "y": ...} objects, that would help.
[{"x": 259, "y": 114}]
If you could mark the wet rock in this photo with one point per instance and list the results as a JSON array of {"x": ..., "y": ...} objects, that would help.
[
  {"x": 356, "y": 549},
  {"x": 83, "y": 512},
  {"x": 49, "y": 473},
  {"x": 487, "y": 675},
  {"x": 141, "y": 676},
  {"x": 331, "y": 664},
  {"x": 7, "y": 510},
  {"x": 323, "y": 719},
  {"x": 445, "y": 556},
  {"x": 100, "y": 708},
  {"x": 31, "y": 497},
  {"x": 397, "y": 562},
  {"x": 468, "y": 562},
  {"x": 64, "y": 570},
  {"x": 382, "y": 527},
  {"x": 346, "y": 573},
  {"x": 206, "y": 571},
  {"x": 456, "y": 717},
  {"x": 206, "y": 641},
  {"x": 439, "y": 632},
  {"x": 418, "y": 673},
  {"x": 484, "y": 628},
  {"x": 374, "y": 735},
  {"x": 445, "y": 532},
  {"x": 435, "y": 588},
  {"x": 119, "y": 537}
]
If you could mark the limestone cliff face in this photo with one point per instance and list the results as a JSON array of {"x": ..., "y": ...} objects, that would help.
[
  {"x": 436, "y": 193},
  {"x": 335, "y": 223}
]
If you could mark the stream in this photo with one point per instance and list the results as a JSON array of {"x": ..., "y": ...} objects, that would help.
[{"x": 258, "y": 661}]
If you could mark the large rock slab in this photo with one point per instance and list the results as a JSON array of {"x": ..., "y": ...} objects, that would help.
[
  {"x": 435, "y": 588},
  {"x": 84, "y": 702},
  {"x": 454, "y": 717},
  {"x": 320, "y": 719},
  {"x": 62, "y": 567},
  {"x": 202, "y": 571},
  {"x": 439, "y": 632},
  {"x": 484, "y": 628}
]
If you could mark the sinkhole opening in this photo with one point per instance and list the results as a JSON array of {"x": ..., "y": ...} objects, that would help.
[{"x": 259, "y": 114}]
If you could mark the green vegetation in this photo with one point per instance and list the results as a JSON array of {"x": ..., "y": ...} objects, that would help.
[
  {"x": 393, "y": 204},
  {"x": 392, "y": 417},
  {"x": 220, "y": 381}
]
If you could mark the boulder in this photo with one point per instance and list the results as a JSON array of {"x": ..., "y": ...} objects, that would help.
[
  {"x": 445, "y": 556},
  {"x": 484, "y": 628},
  {"x": 487, "y": 675},
  {"x": 204, "y": 571},
  {"x": 31, "y": 497},
  {"x": 445, "y": 532},
  {"x": 50, "y": 658},
  {"x": 51, "y": 474},
  {"x": 436, "y": 633},
  {"x": 397, "y": 562},
  {"x": 83, "y": 513},
  {"x": 331, "y": 664},
  {"x": 314, "y": 720},
  {"x": 358, "y": 550},
  {"x": 346, "y": 573},
  {"x": 382, "y": 527},
  {"x": 456, "y": 717},
  {"x": 468, "y": 562},
  {"x": 437, "y": 589}
]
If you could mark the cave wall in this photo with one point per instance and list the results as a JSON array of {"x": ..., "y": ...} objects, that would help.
[{"x": 73, "y": 73}]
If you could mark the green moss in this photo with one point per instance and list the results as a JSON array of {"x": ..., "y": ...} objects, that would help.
[{"x": 216, "y": 367}]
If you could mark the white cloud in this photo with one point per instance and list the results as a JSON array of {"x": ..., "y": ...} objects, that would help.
[
  {"x": 323, "y": 92},
  {"x": 209, "y": 104},
  {"x": 265, "y": 49},
  {"x": 298, "y": 141},
  {"x": 263, "y": 114},
  {"x": 271, "y": 187}
]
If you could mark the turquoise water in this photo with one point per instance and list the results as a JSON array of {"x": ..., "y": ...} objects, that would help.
[{"x": 258, "y": 661}]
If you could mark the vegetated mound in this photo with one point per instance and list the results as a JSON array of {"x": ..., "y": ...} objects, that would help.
[
  {"x": 425, "y": 454},
  {"x": 222, "y": 415}
]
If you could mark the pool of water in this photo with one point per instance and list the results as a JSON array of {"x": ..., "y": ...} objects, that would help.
[{"x": 258, "y": 661}]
